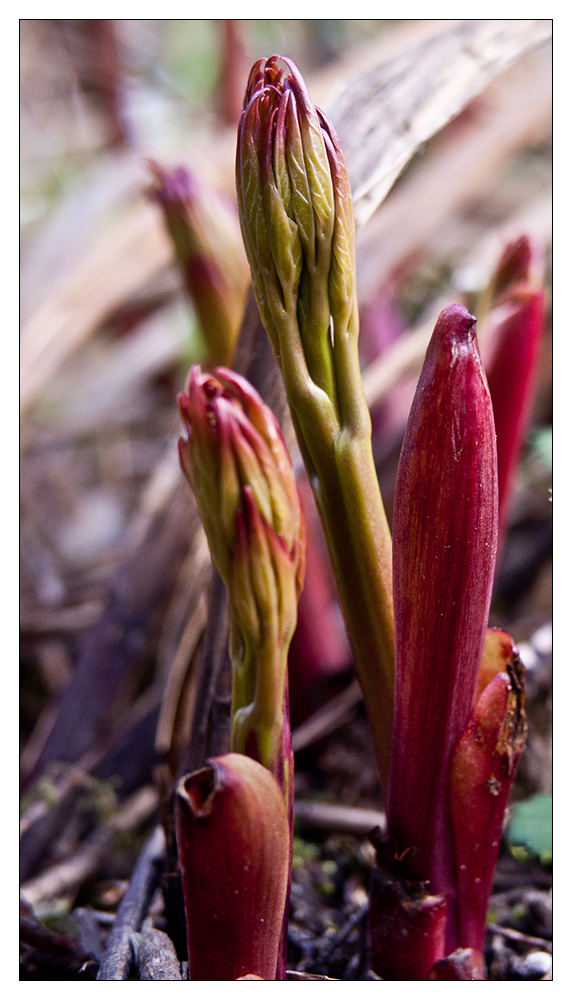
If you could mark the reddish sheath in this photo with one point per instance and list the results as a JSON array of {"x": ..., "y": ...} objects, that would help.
[
  {"x": 233, "y": 845},
  {"x": 444, "y": 549}
]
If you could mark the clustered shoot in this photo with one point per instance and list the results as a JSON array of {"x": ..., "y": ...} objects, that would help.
[{"x": 444, "y": 693}]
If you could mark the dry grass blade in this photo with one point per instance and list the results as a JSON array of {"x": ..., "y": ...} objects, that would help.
[
  {"x": 383, "y": 117},
  {"x": 513, "y": 115},
  {"x": 176, "y": 677},
  {"x": 104, "y": 276}
]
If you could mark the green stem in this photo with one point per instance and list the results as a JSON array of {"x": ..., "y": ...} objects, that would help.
[
  {"x": 259, "y": 686},
  {"x": 334, "y": 435},
  {"x": 347, "y": 496},
  {"x": 261, "y": 728}
]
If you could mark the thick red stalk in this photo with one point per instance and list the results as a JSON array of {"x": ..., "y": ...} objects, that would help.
[
  {"x": 407, "y": 923},
  {"x": 444, "y": 537}
]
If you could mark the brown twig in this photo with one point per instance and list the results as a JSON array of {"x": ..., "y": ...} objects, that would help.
[
  {"x": 328, "y": 718},
  {"x": 65, "y": 878},
  {"x": 518, "y": 936},
  {"x": 118, "y": 959},
  {"x": 156, "y": 955},
  {"x": 341, "y": 819}
]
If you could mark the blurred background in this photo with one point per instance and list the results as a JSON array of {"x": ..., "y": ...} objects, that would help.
[{"x": 91, "y": 86}]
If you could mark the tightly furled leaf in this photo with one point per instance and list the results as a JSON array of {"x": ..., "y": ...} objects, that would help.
[
  {"x": 517, "y": 325},
  {"x": 512, "y": 306},
  {"x": 444, "y": 536}
]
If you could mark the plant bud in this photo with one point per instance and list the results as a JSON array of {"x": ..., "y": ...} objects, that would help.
[
  {"x": 444, "y": 546},
  {"x": 234, "y": 441},
  {"x": 296, "y": 216},
  {"x": 297, "y": 223},
  {"x": 515, "y": 337},
  {"x": 499, "y": 650},
  {"x": 208, "y": 247},
  {"x": 237, "y": 463}
]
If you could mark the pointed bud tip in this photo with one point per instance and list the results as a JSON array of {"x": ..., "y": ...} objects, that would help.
[
  {"x": 455, "y": 323},
  {"x": 514, "y": 266},
  {"x": 170, "y": 186}
]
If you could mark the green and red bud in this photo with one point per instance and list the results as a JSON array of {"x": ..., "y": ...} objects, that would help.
[
  {"x": 297, "y": 223},
  {"x": 296, "y": 216},
  {"x": 239, "y": 468},
  {"x": 444, "y": 538},
  {"x": 205, "y": 233},
  {"x": 233, "y": 440},
  {"x": 233, "y": 847}
]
